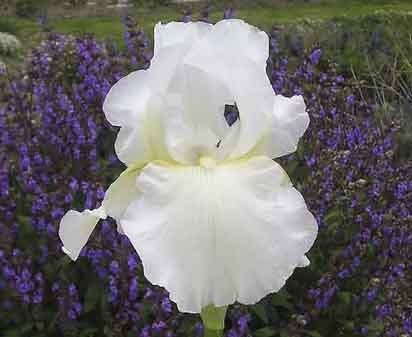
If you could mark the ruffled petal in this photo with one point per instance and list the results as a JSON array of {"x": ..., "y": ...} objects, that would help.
[
  {"x": 178, "y": 33},
  {"x": 132, "y": 145},
  {"x": 235, "y": 38},
  {"x": 172, "y": 41},
  {"x": 125, "y": 104},
  {"x": 219, "y": 234},
  {"x": 304, "y": 262},
  {"x": 289, "y": 122},
  {"x": 76, "y": 228},
  {"x": 120, "y": 194},
  {"x": 235, "y": 53}
]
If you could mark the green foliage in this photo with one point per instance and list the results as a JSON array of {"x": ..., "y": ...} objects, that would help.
[
  {"x": 352, "y": 41},
  {"x": 150, "y": 3},
  {"x": 265, "y": 332},
  {"x": 8, "y": 25},
  {"x": 256, "y": 13},
  {"x": 29, "y": 8},
  {"x": 375, "y": 51},
  {"x": 26, "y": 8}
]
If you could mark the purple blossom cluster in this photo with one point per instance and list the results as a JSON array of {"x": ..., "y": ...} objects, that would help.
[
  {"x": 56, "y": 153},
  {"x": 360, "y": 195}
]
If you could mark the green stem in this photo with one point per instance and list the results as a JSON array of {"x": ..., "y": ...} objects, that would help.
[
  {"x": 213, "y": 333},
  {"x": 213, "y": 320}
]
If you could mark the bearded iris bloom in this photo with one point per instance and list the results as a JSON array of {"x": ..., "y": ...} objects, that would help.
[{"x": 214, "y": 219}]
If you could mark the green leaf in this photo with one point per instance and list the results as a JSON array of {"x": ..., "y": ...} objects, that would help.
[
  {"x": 12, "y": 333},
  {"x": 26, "y": 230},
  {"x": 332, "y": 216},
  {"x": 265, "y": 332},
  {"x": 300, "y": 151},
  {"x": 23, "y": 219},
  {"x": 17, "y": 332},
  {"x": 376, "y": 326},
  {"x": 91, "y": 299},
  {"x": 88, "y": 332},
  {"x": 291, "y": 167},
  {"x": 260, "y": 311},
  {"x": 280, "y": 299},
  {"x": 349, "y": 326},
  {"x": 345, "y": 297},
  {"x": 313, "y": 333}
]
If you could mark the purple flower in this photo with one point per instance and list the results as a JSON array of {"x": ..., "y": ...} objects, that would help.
[
  {"x": 158, "y": 326},
  {"x": 364, "y": 330},
  {"x": 132, "y": 262},
  {"x": 71, "y": 314},
  {"x": 344, "y": 273},
  {"x": 72, "y": 289},
  {"x": 232, "y": 333},
  {"x": 166, "y": 305},
  {"x": 243, "y": 323},
  {"x": 38, "y": 296},
  {"x": 407, "y": 325},
  {"x": 350, "y": 100},
  {"x": 145, "y": 332},
  {"x": 229, "y": 13},
  {"x": 383, "y": 310},
  {"x": 114, "y": 267},
  {"x": 315, "y": 56},
  {"x": 24, "y": 286},
  {"x": 372, "y": 294},
  {"x": 133, "y": 289}
]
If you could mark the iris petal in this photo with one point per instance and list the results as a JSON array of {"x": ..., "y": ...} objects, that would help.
[
  {"x": 120, "y": 194},
  {"x": 126, "y": 106},
  {"x": 289, "y": 122},
  {"x": 76, "y": 228},
  {"x": 235, "y": 53},
  {"x": 219, "y": 234}
]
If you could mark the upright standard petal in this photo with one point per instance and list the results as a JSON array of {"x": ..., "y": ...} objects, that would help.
[
  {"x": 235, "y": 53},
  {"x": 76, "y": 228},
  {"x": 289, "y": 122},
  {"x": 215, "y": 234},
  {"x": 180, "y": 34},
  {"x": 235, "y": 38},
  {"x": 172, "y": 42}
]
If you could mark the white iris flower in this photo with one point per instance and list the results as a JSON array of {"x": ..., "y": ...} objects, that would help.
[{"x": 214, "y": 219}]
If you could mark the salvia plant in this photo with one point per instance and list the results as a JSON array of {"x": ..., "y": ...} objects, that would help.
[{"x": 56, "y": 154}]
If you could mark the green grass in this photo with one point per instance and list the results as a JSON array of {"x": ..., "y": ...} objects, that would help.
[
  {"x": 110, "y": 28},
  {"x": 266, "y": 17}
]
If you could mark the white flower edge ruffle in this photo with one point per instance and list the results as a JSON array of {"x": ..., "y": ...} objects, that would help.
[{"x": 216, "y": 235}]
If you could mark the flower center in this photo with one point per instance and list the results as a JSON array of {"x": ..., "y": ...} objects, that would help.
[{"x": 207, "y": 162}]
